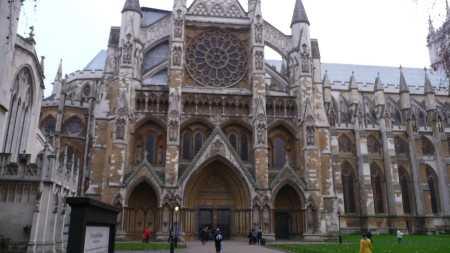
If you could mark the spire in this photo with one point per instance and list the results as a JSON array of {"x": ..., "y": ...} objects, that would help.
[
  {"x": 403, "y": 85},
  {"x": 326, "y": 81},
  {"x": 299, "y": 13},
  {"x": 132, "y": 5},
  {"x": 378, "y": 84},
  {"x": 428, "y": 87},
  {"x": 448, "y": 11},
  {"x": 353, "y": 84},
  {"x": 57, "y": 85},
  {"x": 430, "y": 26},
  {"x": 59, "y": 73}
]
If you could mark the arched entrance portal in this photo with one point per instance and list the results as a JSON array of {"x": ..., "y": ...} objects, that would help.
[
  {"x": 142, "y": 211},
  {"x": 288, "y": 213},
  {"x": 217, "y": 197}
]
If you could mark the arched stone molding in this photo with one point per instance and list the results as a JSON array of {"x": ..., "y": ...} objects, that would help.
[
  {"x": 312, "y": 224},
  {"x": 237, "y": 121},
  {"x": 193, "y": 120},
  {"x": 287, "y": 173},
  {"x": 221, "y": 150},
  {"x": 133, "y": 183},
  {"x": 195, "y": 172},
  {"x": 298, "y": 189}
]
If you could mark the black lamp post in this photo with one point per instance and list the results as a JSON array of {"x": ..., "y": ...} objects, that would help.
[
  {"x": 339, "y": 222},
  {"x": 172, "y": 202}
]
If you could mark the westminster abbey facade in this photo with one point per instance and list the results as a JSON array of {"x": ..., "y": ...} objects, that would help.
[{"x": 184, "y": 109}]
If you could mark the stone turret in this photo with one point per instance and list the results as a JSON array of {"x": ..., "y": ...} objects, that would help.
[
  {"x": 57, "y": 85},
  {"x": 130, "y": 31},
  {"x": 353, "y": 87},
  {"x": 405, "y": 101},
  {"x": 300, "y": 26}
]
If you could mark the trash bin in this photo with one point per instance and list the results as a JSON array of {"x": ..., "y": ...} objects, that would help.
[{"x": 263, "y": 241}]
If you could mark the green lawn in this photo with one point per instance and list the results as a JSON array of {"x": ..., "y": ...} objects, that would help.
[
  {"x": 146, "y": 246},
  {"x": 382, "y": 243}
]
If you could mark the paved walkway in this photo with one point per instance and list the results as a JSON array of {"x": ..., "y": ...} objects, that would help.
[{"x": 230, "y": 247}]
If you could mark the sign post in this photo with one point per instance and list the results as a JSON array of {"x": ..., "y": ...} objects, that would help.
[{"x": 92, "y": 226}]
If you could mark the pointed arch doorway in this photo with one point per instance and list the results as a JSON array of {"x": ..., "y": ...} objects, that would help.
[
  {"x": 288, "y": 213},
  {"x": 218, "y": 197},
  {"x": 141, "y": 211}
]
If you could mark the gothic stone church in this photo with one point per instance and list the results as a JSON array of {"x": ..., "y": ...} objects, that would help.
[{"x": 184, "y": 107}]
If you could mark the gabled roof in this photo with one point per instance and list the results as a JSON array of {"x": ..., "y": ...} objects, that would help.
[
  {"x": 299, "y": 13},
  {"x": 98, "y": 63}
]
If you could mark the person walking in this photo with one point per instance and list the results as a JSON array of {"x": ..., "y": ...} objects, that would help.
[
  {"x": 369, "y": 236},
  {"x": 365, "y": 245},
  {"x": 147, "y": 234},
  {"x": 259, "y": 236},
  {"x": 204, "y": 235},
  {"x": 399, "y": 236},
  {"x": 250, "y": 237},
  {"x": 218, "y": 239}
]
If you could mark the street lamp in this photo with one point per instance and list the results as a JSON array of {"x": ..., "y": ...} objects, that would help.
[
  {"x": 175, "y": 233},
  {"x": 339, "y": 222},
  {"x": 172, "y": 202}
]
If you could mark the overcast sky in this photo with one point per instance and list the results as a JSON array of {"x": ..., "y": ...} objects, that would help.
[{"x": 367, "y": 32}]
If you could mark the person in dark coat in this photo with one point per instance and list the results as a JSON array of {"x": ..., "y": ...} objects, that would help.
[
  {"x": 259, "y": 236},
  {"x": 250, "y": 237},
  {"x": 369, "y": 236},
  {"x": 254, "y": 236},
  {"x": 217, "y": 239},
  {"x": 204, "y": 235}
]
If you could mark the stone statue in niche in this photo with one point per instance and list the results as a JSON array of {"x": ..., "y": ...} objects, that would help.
[
  {"x": 178, "y": 25},
  {"x": 305, "y": 59},
  {"x": 160, "y": 155},
  {"x": 261, "y": 133},
  {"x": 120, "y": 129},
  {"x": 259, "y": 60},
  {"x": 173, "y": 129},
  {"x": 310, "y": 135},
  {"x": 414, "y": 123},
  {"x": 440, "y": 125},
  {"x": 177, "y": 55},
  {"x": 288, "y": 160},
  {"x": 258, "y": 29},
  {"x": 138, "y": 155},
  {"x": 332, "y": 119},
  {"x": 127, "y": 50}
]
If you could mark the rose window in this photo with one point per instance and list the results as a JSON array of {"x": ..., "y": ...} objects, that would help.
[
  {"x": 216, "y": 59},
  {"x": 74, "y": 128}
]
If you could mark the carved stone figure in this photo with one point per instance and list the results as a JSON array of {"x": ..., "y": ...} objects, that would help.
[
  {"x": 258, "y": 29},
  {"x": 261, "y": 133},
  {"x": 127, "y": 51},
  {"x": 177, "y": 55},
  {"x": 173, "y": 130},
  {"x": 178, "y": 25},
  {"x": 440, "y": 125},
  {"x": 414, "y": 123},
  {"x": 305, "y": 59},
  {"x": 120, "y": 129},
  {"x": 259, "y": 60},
  {"x": 310, "y": 135}
]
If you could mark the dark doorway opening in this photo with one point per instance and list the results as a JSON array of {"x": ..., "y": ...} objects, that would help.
[
  {"x": 223, "y": 222},
  {"x": 205, "y": 220},
  {"x": 282, "y": 225}
]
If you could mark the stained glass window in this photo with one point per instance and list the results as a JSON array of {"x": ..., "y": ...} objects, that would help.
[
  {"x": 187, "y": 146},
  {"x": 49, "y": 126},
  {"x": 279, "y": 153},
  {"x": 427, "y": 147},
  {"x": 198, "y": 142},
  {"x": 233, "y": 141},
  {"x": 150, "y": 148},
  {"x": 244, "y": 147},
  {"x": 74, "y": 127},
  {"x": 345, "y": 145},
  {"x": 216, "y": 58}
]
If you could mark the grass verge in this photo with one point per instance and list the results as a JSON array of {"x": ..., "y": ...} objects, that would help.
[{"x": 146, "y": 246}]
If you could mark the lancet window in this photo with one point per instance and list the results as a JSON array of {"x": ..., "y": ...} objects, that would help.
[
  {"x": 279, "y": 153},
  {"x": 377, "y": 186},
  {"x": 244, "y": 148},
  {"x": 198, "y": 143},
  {"x": 434, "y": 190},
  {"x": 427, "y": 147},
  {"x": 19, "y": 113},
  {"x": 406, "y": 189},
  {"x": 186, "y": 146},
  {"x": 349, "y": 184}
]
